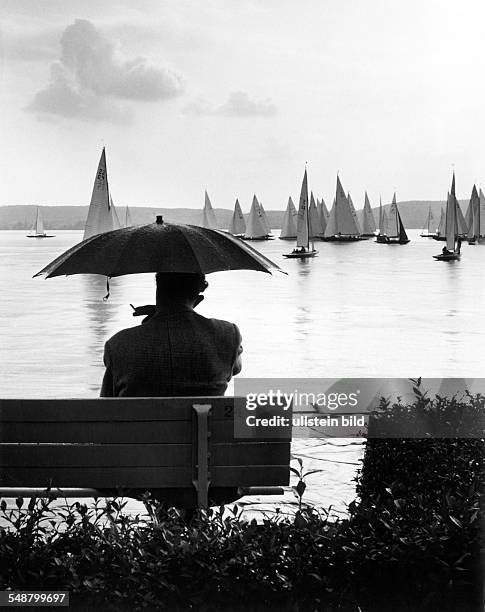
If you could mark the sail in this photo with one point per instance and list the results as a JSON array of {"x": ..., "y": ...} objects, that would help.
[
  {"x": 481, "y": 213},
  {"x": 342, "y": 220},
  {"x": 429, "y": 223},
  {"x": 451, "y": 218},
  {"x": 101, "y": 218},
  {"x": 288, "y": 229},
  {"x": 238, "y": 224},
  {"x": 368, "y": 221},
  {"x": 472, "y": 217},
  {"x": 331, "y": 228},
  {"x": 39, "y": 224},
  {"x": 392, "y": 228},
  {"x": 324, "y": 215},
  {"x": 314, "y": 219},
  {"x": 265, "y": 218},
  {"x": 255, "y": 225},
  {"x": 114, "y": 214},
  {"x": 381, "y": 217},
  {"x": 460, "y": 220},
  {"x": 302, "y": 226},
  {"x": 403, "y": 237},
  {"x": 128, "y": 220},
  {"x": 208, "y": 216},
  {"x": 354, "y": 212},
  {"x": 442, "y": 224}
]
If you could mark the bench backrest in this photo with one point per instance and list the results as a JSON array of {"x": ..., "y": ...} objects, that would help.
[{"x": 134, "y": 443}]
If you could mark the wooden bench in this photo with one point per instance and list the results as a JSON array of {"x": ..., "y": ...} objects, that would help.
[{"x": 184, "y": 449}]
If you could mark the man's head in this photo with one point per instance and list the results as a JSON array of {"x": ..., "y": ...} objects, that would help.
[{"x": 179, "y": 287}]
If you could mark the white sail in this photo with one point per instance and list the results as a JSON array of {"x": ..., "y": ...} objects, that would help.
[
  {"x": 342, "y": 220},
  {"x": 381, "y": 217},
  {"x": 114, "y": 214},
  {"x": 302, "y": 229},
  {"x": 265, "y": 218},
  {"x": 354, "y": 212},
  {"x": 385, "y": 222},
  {"x": 368, "y": 221},
  {"x": 481, "y": 212},
  {"x": 391, "y": 227},
  {"x": 314, "y": 219},
  {"x": 429, "y": 223},
  {"x": 472, "y": 217},
  {"x": 39, "y": 223},
  {"x": 101, "y": 218},
  {"x": 208, "y": 215},
  {"x": 238, "y": 224},
  {"x": 255, "y": 226},
  {"x": 441, "y": 226},
  {"x": 324, "y": 215},
  {"x": 288, "y": 229}
]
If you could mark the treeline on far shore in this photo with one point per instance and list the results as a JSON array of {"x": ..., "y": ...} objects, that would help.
[{"x": 21, "y": 217}]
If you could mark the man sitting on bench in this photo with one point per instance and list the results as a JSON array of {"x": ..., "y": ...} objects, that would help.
[{"x": 174, "y": 352}]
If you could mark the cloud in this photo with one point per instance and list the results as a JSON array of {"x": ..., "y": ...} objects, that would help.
[
  {"x": 91, "y": 77},
  {"x": 239, "y": 104}
]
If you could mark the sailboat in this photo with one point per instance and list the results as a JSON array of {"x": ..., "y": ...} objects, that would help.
[
  {"x": 102, "y": 216},
  {"x": 288, "y": 228},
  {"x": 368, "y": 221},
  {"x": 38, "y": 230},
  {"x": 451, "y": 251},
  {"x": 208, "y": 215},
  {"x": 475, "y": 218},
  {"x": 341, "y": 226},
  {"x": 255, "y": 226},
  {"x": 303, "y": 230},
  {"x": 237, "y": 226},
  {"x": 393, "y": 231},
  {"x": 429, "y": 229},
  {"x": 462, "y": 226},
  {"x": 354, "y": 213}
]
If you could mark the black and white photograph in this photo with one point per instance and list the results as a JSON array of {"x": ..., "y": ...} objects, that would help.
[{"x": 242, "y": 318}]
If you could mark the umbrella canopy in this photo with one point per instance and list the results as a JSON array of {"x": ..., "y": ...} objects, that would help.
[{"x": 158, "y": 247}]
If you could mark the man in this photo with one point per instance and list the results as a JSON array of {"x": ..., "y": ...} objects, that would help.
[{"x": 175, "y": 351}]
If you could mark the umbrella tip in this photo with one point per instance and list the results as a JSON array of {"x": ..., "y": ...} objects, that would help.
[{"x": 160, "y": 219}]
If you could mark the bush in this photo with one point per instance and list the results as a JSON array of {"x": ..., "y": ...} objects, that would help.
[{"x": 412, "y": 541}]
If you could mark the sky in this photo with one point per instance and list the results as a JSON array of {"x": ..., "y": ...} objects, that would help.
[{"x": 235, "y": 97}]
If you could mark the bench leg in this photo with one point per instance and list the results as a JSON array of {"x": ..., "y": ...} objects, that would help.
[{"x": 202, "y": 475}]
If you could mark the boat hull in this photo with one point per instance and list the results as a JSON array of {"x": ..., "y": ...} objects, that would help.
[
  {"x": 387, "y": 240},
  {"x": 258, "y": 238},
  {"x": 451, "y": 257},
  {"x": 42, "y": 236},
  {"x": 343, "y": 238},
  {"x": 300, "y": 255},
  {"x": 286, "y": 237}
]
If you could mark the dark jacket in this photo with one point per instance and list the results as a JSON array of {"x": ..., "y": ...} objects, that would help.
[{"x": 172, "y": 354}]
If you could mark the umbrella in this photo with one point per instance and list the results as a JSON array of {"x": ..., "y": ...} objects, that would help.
[{"x": 158, "y": 247}]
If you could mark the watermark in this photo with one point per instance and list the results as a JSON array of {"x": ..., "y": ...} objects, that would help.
[{"x": 349, "y": 408}]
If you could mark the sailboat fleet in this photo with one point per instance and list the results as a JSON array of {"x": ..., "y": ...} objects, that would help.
[{"x": 310, "y": 221}]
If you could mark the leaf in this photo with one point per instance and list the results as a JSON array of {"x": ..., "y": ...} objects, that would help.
[
  {"x": 312, "y": 472},
  {"x": 456, "y": 521}
]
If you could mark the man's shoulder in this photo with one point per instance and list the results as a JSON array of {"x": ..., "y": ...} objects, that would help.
[
  {"x": 129, "y": 334},
  {"x": 218, "y": 324}
]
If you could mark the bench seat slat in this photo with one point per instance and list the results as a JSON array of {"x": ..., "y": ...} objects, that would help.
[
  {"x": 122, "y": 432},
  {"x": 113, "y": 409},
  {"x": 137, "y": 455},
  {"x": 150, "y": 477}
]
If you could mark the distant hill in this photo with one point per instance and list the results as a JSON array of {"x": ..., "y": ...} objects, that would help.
[{"x": 413, "y": 214}]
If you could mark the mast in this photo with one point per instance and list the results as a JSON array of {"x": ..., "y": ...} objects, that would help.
[{"x": 303, "y": 225}]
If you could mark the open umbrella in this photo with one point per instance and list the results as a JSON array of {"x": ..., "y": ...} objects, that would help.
[{"x": 158, "y": 247}]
